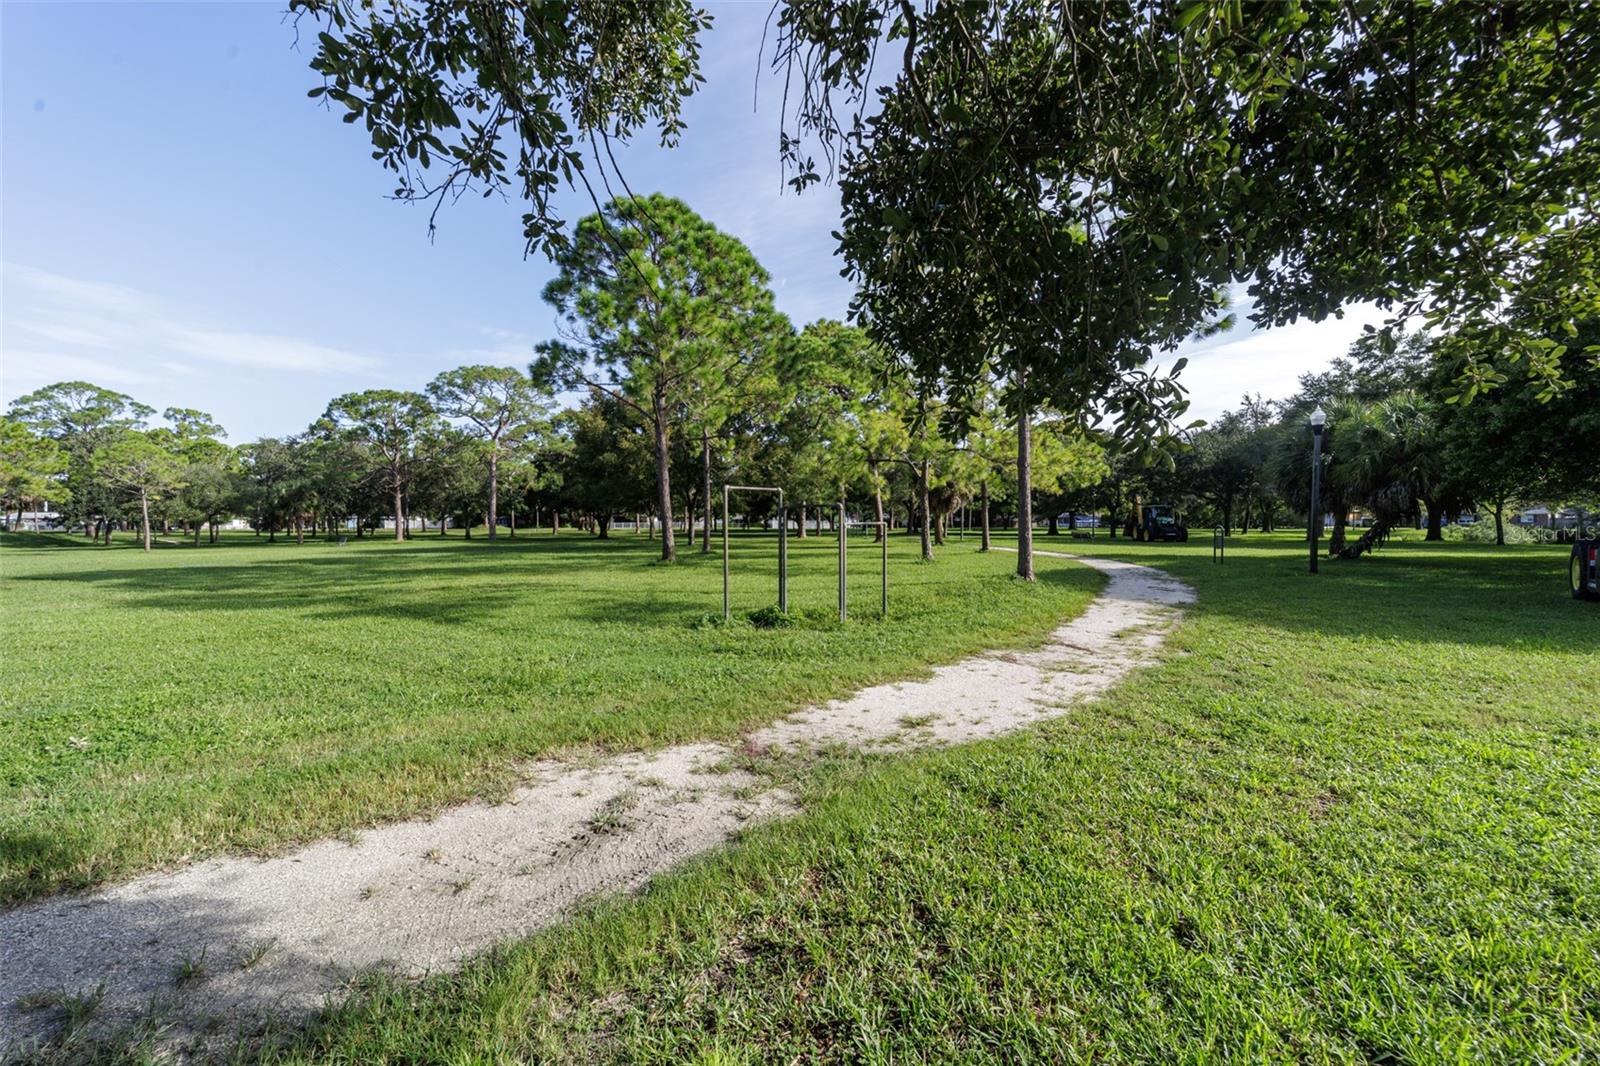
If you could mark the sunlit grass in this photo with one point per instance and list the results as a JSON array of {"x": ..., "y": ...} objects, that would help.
[
  {"x": 160, "y": 707},
  {"x": 1349, "y": 818}
]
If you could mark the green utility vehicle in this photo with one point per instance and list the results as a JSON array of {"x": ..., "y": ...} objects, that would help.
[{"x": 1160, "y": 522}]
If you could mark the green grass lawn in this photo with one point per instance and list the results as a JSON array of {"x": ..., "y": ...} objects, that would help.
[
  {"x": 156, "y": 708},
  {"x": 1349, "y": 818}
]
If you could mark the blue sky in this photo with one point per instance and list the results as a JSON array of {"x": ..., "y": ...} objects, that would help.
[{"x": 181, "y": 223}]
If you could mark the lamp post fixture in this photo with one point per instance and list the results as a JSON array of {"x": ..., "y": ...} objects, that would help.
[{"x": 1319, "y": 418}]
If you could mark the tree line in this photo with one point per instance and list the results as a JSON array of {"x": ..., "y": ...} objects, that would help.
[
  {"x": 1039, "y": 197},
  {"x": 688, "y": 377},
  {"x": 1399, "y": 447}
]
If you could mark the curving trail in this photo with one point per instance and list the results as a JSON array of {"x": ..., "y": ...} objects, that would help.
[{"x": 279, "y": 936}]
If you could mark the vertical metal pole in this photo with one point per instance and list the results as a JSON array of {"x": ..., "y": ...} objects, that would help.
[
  {"x": 842, "y": 534},
  {"x": 1315, "y": 521},
  {"x": 783, "y": 555},
  {"x": 725, "y": 615},
  {"x": 883, "y": 607}
]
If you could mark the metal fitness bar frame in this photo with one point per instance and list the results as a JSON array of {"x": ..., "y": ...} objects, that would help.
[
  {"x": 783, "y": 545},
  {"x": 1219, "y": 545},
  {"x": 844, "y": 527}
]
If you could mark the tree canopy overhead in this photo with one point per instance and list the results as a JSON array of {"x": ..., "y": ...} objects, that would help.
[
  {"x": 1436, "y": 158},
  {"x": 496, "y": 97}
]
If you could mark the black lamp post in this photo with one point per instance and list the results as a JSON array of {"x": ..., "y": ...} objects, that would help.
[{"x": 1319, "y": 418}]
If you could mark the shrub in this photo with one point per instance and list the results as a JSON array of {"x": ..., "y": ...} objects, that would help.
[
  {"x": 1482, "y": 532},
  {"x": 772, "y": 618}
]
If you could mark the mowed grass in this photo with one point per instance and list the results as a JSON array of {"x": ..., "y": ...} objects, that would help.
[
  {"x": 1350, "y": 818},
  {"x": 157, "y": 708}
]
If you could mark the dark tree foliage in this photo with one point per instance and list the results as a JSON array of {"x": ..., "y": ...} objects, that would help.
[
  {"x": 1433, "y": 157},
  {"x": 497, "y": 96}
]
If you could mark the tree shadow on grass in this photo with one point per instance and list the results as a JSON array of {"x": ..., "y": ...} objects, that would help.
[
  {"x": 25, "y": 541},
  {"x": 328, "y": 582}
]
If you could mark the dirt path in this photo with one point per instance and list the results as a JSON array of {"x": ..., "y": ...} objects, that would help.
[{"x": 226, "y": 946}]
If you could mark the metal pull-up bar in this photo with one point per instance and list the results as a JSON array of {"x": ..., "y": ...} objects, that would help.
[
  {"x": 783, "y": 545},
  {"x": 844, "y": 526}
]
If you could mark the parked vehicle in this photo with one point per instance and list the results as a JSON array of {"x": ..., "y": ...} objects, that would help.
[
  {"x": 1160, "y": 522},
  {"x": 1585, "y": 569}
]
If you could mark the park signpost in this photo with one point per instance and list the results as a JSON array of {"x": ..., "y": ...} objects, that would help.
[{"x": 1319, "y": 418}]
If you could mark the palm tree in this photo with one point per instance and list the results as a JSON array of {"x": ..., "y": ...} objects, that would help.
[{"x": 1387, "y": 460}]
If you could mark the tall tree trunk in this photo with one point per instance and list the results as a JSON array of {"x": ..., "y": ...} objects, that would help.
[
  {"x": 299, "y": 530},
  {"x": 669, "y": 547},
  {"x": 1024, "y": 479},
  {"x": 1336, "y": 541},
  {"x": 144, "y": 512},
  {"x": 925, "y": 504},
  {"x": 513, "y": 521},
  {"x": 1374, "y": 536},
  {"x": 494, "y": 489},
  {"x": 983, "y": 494},
  {"x": 802, "y": 513},
  {"x": 399, "y": 506},
  {"x": 1435, "y": 521},
  {"x": 1500, "y": 522},
  {"x": 555, "y": 521},
  {"x": 1053, "y": 524}
]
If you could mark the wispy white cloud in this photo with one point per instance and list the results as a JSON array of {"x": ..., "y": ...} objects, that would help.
[
  {"x": 77, "y": 335},
  {"x": 1223, "y": 369},
  {"x": 24, "y": 369},
  {"x": 262, "y": 351},
  {"x": 74, "y": 292},
  {"x": 504, "y": 347},
  {"x": 54, "y": 323}
]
